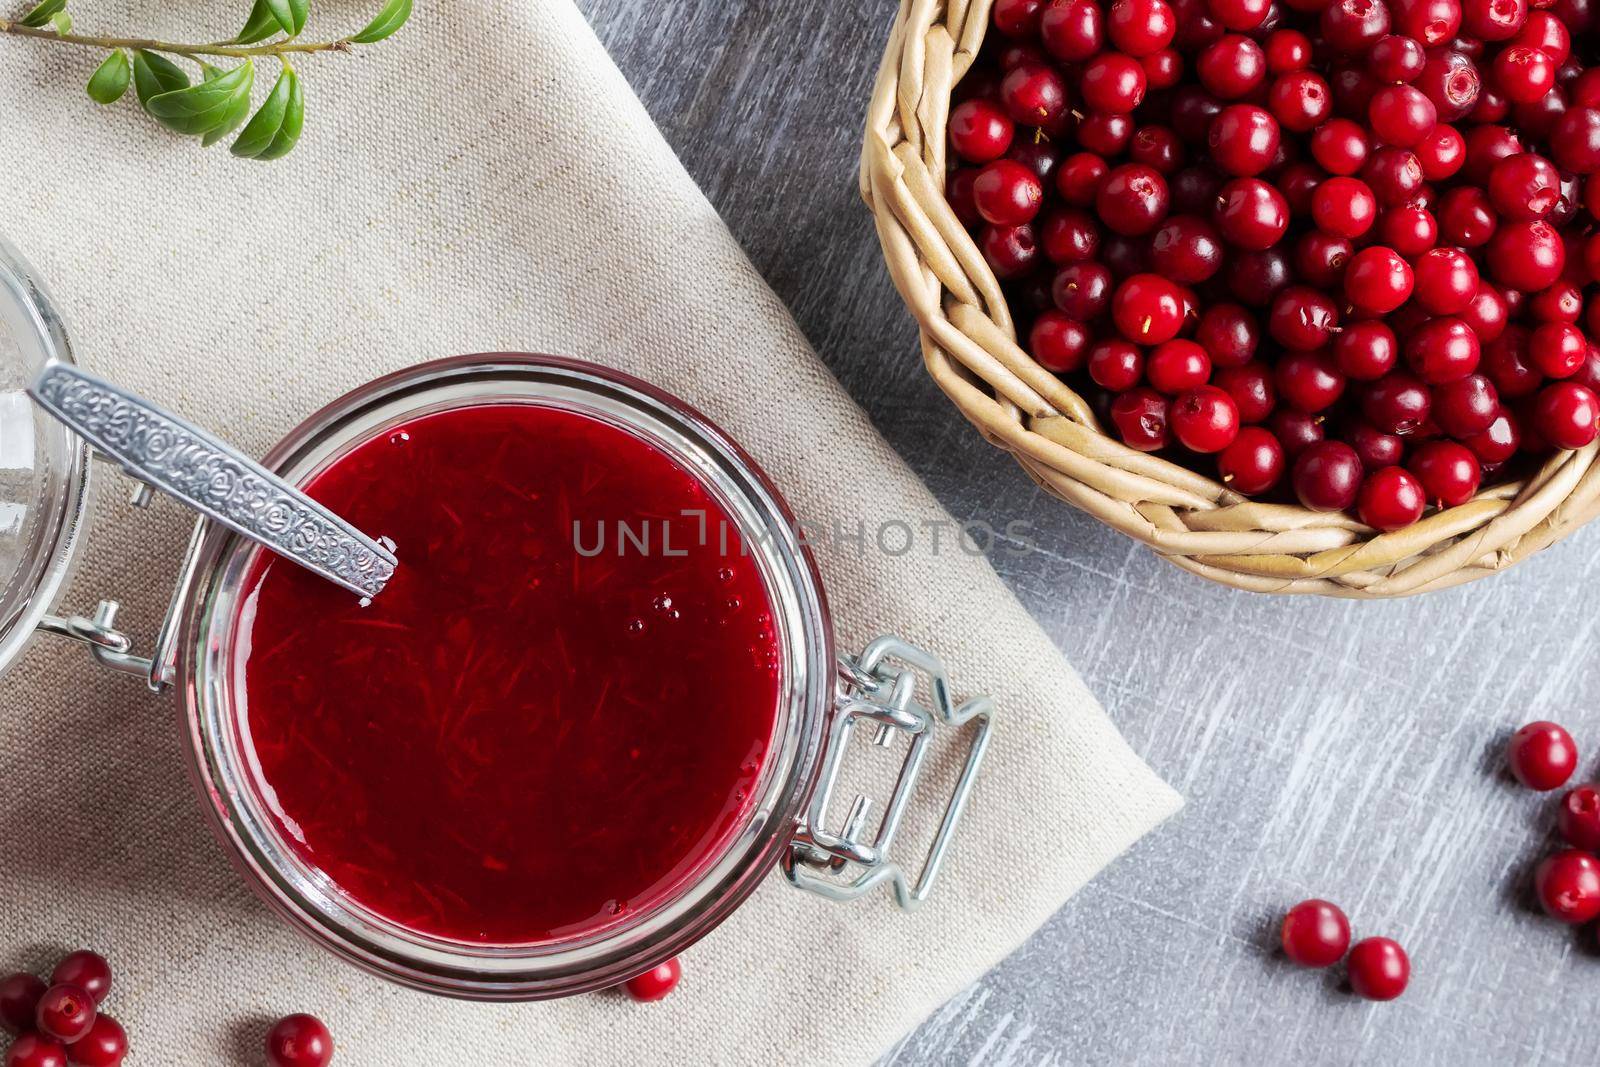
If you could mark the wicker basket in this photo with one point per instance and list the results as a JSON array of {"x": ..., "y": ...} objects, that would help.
[{"x": 970, "y": 346}]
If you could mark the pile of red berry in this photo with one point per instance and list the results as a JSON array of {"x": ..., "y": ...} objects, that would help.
[
  {"x": 61, "y": 1023},
  {"x": 1346, "y": 241},
  {"x": 1316, "y": 933},
  {"x": 1543, "y": 756}
]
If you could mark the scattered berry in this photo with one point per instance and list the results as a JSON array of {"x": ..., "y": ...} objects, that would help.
[
  {"x": 1568, "y": 885},
  {"x": 655, "y": 983},
  {"x": 1378, "y": 968},
  {"x": 1315, "y": 933},
  {"x": 104, "y": 1045},
  {"x": 66, "y": 1012},
  {"x": 87, "y": 970},
  {"x": 1579, "y": 817},
  {"x": 299, "y": 1041},
  {"x": 1542, "y": 756},
  {"x": 36, "y": 1050},
  {"x": 19, "y": 1002}
]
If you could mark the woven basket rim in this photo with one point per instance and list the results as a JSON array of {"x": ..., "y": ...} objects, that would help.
[{"x": 970, "y": 348}]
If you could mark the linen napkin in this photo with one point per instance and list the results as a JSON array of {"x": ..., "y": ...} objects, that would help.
[{"x": 510, "y": 194}]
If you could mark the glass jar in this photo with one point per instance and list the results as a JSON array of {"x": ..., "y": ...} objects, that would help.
[
  {"x": 899, "y": 691},
  {"x": 44, "y": 469}
]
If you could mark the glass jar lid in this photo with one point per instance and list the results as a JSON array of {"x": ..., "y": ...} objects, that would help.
[{"x": 44, "y": 469}]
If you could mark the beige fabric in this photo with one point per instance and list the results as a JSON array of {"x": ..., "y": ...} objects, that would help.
[{"x": 513, "y": 196}]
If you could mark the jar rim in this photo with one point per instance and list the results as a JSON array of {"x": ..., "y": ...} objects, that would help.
[{"x": 307, "y": 898}]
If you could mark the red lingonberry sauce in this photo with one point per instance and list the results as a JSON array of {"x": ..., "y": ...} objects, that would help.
[{"x": 520, "y": 740}]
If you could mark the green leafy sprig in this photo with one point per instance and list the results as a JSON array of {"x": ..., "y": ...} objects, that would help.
[{"x": 218, "y": 100}]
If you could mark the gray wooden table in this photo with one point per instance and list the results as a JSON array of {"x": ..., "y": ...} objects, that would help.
[{"x": 1326, "y": 748}]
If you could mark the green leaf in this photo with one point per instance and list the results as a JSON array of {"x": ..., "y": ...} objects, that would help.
[
  {"x": 62, "y": 22},
  {"x": 276, "y": 127},
  {"x": 291, "y": 14},
  {"x": 154, "y": 74},
  {"x": 237, "y": 113},
  {"x": 261, "y": 24},
  {"x": 199, "y": 109},
  {"x": 110, "y": 80},
  {"x": 42, "y": 14},
  {"x": 391, "y": 18}
]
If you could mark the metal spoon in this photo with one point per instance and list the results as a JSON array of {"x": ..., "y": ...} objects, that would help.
[{"x": 213, "y": 478}]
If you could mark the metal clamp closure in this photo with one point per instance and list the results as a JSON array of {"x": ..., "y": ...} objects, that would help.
[
  {"x": 876, "y": 688},
  {"x": 110, "y": 646},
  {"x": 114, "y": 649}
]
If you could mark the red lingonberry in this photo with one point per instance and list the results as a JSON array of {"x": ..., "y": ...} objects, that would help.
[
  {"x": 1444, "y": 280},
  {"x": 105, "y": 1045},
  {"x": 36, "y": 1050},
  {"x": 980, "y": 131},
  {"x": 1315, "y": 933},
  {"x": 19, "y": 1002},
  {"x": 1542, "y": 755},
  {"x": 1568, "y": 886},
  {"x": 1112, "y": 83},
  {"x": 1133, "y": 199},
  {"x": 1378, "y": 280},
  {"x": 1141, "y": 418},
  {"x": 1007, "y": 193},
  {"x": 1147, "y": 309},
  {"x": 1059, "y": 343},
  {"x": 1251, "y": 388},
  {"x": 1082, "y": 291},
  {"x": 1578, "y": 818},
  {"x": 1205, "y": 419},
  {"x": 655, "y": 983},
  {"x": 1366, "y": 350},
  {"x": 1378, "y": 969},
  {"x": 1072, "y": 30},
  {"x": 87, "y": 970},
  {"x": 1251, "y": 214},
  {"x": 65, "y": 1012},
  {"x": 1340, "y": 146},
  {"x": 1465, "y": 406},
  {"x": 1177, "y": 366},
  {"x": 1448, "y": 471},
  {"x": 1344, "y": 207},
  {"x": 1115, "y": 364},
  {"x": 1327, "y": 476},
  {"x": 299, "y": 1041},
  {"x": 1558, "y": 349},
  {"x": 1442, "y": 350},
  {"x": 1390, "y": 498}
]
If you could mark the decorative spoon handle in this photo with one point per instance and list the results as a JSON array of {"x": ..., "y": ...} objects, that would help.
[{"x": 213, "y": 478}]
